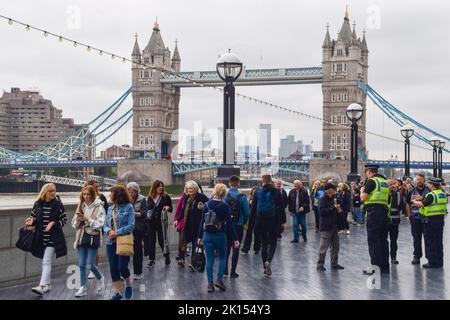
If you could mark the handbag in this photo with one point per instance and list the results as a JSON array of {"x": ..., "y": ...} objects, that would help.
[
  {"x": 152, "y": 213},
  {"x": 124, "y": 243},
  {"x": 198, "y": 260},
  {"x": 89, "y": 240},
  {"x": 27, "y": 239}
]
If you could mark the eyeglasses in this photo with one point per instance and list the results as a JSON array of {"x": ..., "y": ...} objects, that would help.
[{"x": 51, "y": 190}]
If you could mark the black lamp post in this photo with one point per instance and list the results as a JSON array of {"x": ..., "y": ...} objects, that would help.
[
  {"x": 354, "y": 113},
  {"x": 434, "y": 141},
  {"x": 441, "y": 146},
  {"x": 229, "y": 68},
  {"x": 407, "y": 132}
]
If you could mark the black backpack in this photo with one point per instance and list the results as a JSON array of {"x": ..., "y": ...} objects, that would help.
[
  {"x": 235, "y": 206},
  {"x": 212, "y": 222}
]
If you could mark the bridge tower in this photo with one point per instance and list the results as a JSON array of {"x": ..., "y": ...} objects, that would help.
[
  {"x": 155, "y": 105},
  {"x": 344, "y": 61}
]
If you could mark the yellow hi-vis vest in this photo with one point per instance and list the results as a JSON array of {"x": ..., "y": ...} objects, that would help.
[
  {"x": 381, "y": 193},
  {"x": 439, "y": 205}
]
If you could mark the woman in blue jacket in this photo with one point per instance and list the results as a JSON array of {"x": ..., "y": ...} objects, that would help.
[
  {"x": 124, "y": 217},
  {"x": 215, "y": 223}
]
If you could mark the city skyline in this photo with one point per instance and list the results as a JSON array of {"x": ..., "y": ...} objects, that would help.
[{"x": 196, "y": 55}]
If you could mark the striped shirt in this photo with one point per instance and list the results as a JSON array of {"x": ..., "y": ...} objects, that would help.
[{"x": 46, "y": 211}]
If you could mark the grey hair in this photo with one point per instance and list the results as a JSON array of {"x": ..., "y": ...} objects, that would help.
[
  {"x": 134, "y": 186},
  {"x": 193, "y": 183},
  {"x": 297, "y": 181}
]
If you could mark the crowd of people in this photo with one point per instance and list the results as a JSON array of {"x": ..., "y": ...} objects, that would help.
[{"x": 228, "y": 222}]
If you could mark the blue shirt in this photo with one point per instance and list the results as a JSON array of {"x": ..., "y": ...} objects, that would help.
[
  {"x": 124, "y": 218},
  {"x": 244, "y": 212},
  {"x": 223, "y": 212}
]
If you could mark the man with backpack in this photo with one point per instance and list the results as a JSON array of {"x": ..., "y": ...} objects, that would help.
[
  {"x": 240, "y": 213},
  {"x": 269, "y": 210}
]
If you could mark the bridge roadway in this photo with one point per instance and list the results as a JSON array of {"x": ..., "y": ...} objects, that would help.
[
  {"x": 199, "y": 163},
  {"x": 294, "y": 276}
]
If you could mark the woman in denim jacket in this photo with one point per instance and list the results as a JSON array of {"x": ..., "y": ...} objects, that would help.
[{"x": 124, "y": 216}]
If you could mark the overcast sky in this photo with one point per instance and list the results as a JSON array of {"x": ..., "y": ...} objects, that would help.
[{"x": 408, "y": 43}]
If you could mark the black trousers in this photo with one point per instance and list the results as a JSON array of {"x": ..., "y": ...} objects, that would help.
[
  {"x": 377, "y": 237},
  {"x": 155, "y": 232},
  {"x": 248, "y": 237},
  {"x": 433, "y": 229},
  {"x": 140, "y": 245},
  {"x": 268, "y": 245},
  {"x": 417, "y": 232},
  {"x": 393, "y": 236},
  {"x": 230, "y": 245}
]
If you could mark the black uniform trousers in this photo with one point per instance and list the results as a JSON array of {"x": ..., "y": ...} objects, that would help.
[
  {"x": 417, "y": 232},
  {"x": 433, "y": 228},
  {"x": 393, "y": 236},
  {"x": 377, "y": 224}
]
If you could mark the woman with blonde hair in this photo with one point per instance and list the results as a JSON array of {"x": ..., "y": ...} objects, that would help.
[
  {"x": 48, "y": 217},
  {"x": 188, "y": 216},
  {"x": 88, "y": 222},
  {"x": 316, "y": 193},
  {"x": 215, "y": 224}
]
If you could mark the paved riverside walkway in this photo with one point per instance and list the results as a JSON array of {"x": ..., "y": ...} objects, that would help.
[{"x": 294, "y": 276}]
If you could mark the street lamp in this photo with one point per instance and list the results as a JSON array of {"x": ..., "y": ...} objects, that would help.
[
  {"x": 229, "y": 68},
  {"x": 407, "y": 132},
  {"x": 354, "y": 113},
  {"x": 434, "y": 141},
  {"x": 441, "y": 146}
]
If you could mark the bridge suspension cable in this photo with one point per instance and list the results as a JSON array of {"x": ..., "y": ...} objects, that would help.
[
  {"x": 185, "y": 78},
  {"x": 398, "y": 116}
]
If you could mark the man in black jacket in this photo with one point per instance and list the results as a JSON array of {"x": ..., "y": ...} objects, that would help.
[
  {"x": 298, "y": 202},
  {"x": 328, "y": 210},
  {"x": 268, "y": 208},
  {"x": 284, "y": 200}
]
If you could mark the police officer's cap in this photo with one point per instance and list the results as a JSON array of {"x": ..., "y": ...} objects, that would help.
[
  {"x": 435, "y": 181},
  {"x": 371, "y": 166}
]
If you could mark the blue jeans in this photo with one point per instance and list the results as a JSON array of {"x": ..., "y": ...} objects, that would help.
[
  {"x": 298, "y": 218},
  {"x": 86, "y": 257},
  {"x": 118, "y": 265},
  {"x": 358, "y": 215},
  {"x": 212, "y": 242}
]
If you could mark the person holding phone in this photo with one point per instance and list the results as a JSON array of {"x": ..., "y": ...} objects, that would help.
[
  {"x": 329, "y": 209},
  {"x": 88, "y": 222}
]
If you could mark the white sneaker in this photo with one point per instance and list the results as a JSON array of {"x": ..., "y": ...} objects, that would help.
[
  {"x": 81, "y": 292},
  {"x": 46, "y": 288},
  {"x": 91, "y": 275},
  {"x": 100, "y": 284},
  {"x": 138, "y": 277},
  {"x": 38, "y": 290},
  {"x": 347, "y": 232}
]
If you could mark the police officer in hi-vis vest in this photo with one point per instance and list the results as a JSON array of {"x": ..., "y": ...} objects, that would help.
[
  {"x": 375, "y": 195},
  {"x": 433, "y": 210}
]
